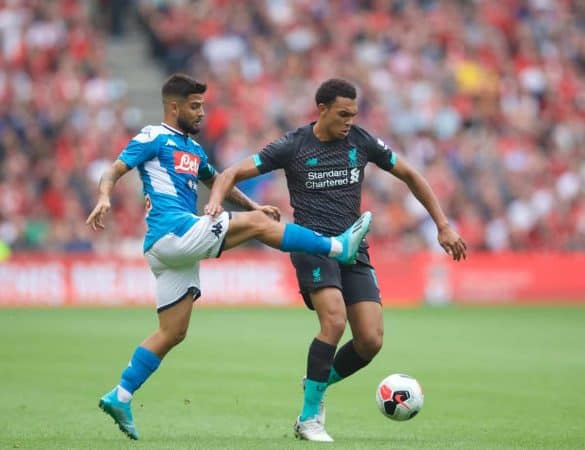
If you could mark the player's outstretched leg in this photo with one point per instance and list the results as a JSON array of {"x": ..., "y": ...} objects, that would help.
[
  {"x": 352, "y": 237},
  {"x": 292, "y": 237},
  {"x": 120, "y": 412}
]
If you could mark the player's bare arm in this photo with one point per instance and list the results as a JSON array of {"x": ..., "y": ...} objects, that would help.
[
  {"x": 448, "y": 238},
  {"x": 238, "y": 198},
  {"x": 107, "y": 181},
  {"x": 223, "y": 186}
]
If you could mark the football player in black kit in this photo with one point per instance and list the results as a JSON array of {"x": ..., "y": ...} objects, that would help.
[{"x": 324, "y": 164}]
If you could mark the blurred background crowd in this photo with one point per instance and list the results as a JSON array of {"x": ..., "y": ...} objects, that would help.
[{"x": 486, "y": 98}]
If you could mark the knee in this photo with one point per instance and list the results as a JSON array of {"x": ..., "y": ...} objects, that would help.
[
  {"x": 369, "y": 344},
  {"x": 180, "y": 336},
  {"x": 259, "y": 221},
  {"x": 333, "y": 324},
  {"x": 174, "y": 337}
]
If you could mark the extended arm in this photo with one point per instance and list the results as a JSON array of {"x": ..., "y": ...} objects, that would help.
[
  {"x": 447, "y": 236},
  {"x": 105, "y": 187},
  {"x": 234, "y": 195},
  {"x": 223, "y": 188}
]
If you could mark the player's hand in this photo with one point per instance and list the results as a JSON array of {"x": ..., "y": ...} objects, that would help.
[
  {"x": 271, "y": 211},
  {"x": 452, "y": 243},
  {"x": 96, "y": 219},
  {"x": 213, "y": 209}
]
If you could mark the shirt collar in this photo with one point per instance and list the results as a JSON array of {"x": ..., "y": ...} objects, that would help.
[{"x": 174, "y": 130}]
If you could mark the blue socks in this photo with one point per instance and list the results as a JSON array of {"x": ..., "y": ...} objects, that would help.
[
  {"x": 314, "y": 391},
  {"x": 141, "y": 366},
  {"x": 300, "y": 239}
]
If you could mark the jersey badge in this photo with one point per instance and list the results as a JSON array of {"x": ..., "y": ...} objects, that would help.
[
  {"x": 352, "y": 157},
  {"x": 316, "y": 274}
]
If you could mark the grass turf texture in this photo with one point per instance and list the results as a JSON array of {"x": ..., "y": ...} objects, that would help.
[{"x": 494, "y": 378}]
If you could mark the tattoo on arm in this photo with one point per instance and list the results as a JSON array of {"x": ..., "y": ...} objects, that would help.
[
  {"x": 111, "y": 176},
  {"x": 240, "y": 199}
]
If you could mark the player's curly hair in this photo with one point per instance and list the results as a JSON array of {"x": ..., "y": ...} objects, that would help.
[
  {"x": 182, "y": 86},
  {"x": 332, "y": 88}
]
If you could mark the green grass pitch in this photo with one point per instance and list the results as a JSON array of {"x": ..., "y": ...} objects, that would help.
[{"x": 494, "y": 378}]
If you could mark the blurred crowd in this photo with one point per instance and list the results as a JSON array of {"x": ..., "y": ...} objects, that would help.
[
  {"x": 486, "y": 98},
  {"x": 63, "y": 118}
]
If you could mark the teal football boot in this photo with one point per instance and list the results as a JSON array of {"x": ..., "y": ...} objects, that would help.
[
  {"x": 120, "y": 412},
  {"x": 352, "y": 238}
]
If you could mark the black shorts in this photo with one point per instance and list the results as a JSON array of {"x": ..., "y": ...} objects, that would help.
[{"x": 357, "y": 282}]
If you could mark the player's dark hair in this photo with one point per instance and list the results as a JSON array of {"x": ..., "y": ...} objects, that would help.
[
  {"x": 182, "y": 86},
  {"x": 333, "y": 88}
]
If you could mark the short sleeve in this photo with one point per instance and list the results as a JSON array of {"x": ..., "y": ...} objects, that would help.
[
  {"x": 275, "y": 155},
  {"x": 141, "y": 148},
  {"x": 380, "y": 153}
]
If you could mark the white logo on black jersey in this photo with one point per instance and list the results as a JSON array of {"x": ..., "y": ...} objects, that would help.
[{"x": 382, "y": 144}]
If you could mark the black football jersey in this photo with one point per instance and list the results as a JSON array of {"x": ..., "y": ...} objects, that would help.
[{"x": 325, "y": 178}]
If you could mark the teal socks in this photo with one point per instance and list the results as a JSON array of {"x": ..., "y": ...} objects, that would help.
[
  {"x": 314, "y": 391},
  {"x": 334, "y": 377}
]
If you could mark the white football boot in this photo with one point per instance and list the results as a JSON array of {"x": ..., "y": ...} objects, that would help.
[{"x": 311, "y": 430}]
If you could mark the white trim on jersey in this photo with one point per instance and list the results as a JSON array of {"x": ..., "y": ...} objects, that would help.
[
  {"x": 179, "y": 132},
  {"x": 169, "y": 128},
  {"x": 160, "y": 179},
  {"x": 150, "y": 132}
]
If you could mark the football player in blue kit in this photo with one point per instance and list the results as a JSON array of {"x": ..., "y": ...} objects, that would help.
[
  {"x": 170, "y": 164},
  {"x": 324, "y": 163}
]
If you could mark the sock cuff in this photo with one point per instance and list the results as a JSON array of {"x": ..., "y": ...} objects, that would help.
[
  {"x": 319, "y": 360},
  {"x": 297, "y": 238},
  {"x": 290, "y": 237},
  {"x": 320, "y": 348}
]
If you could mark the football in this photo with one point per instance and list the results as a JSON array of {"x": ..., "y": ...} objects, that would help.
[{"x": 399, "y": 397}]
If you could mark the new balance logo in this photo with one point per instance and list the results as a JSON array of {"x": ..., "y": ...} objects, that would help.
[
  {"x": 312, "y": 162},
  {"x": 217, "y": 229},
  {"x": 382, "y": 144}
]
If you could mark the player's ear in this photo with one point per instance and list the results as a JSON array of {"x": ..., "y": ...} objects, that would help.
[
  {"x": 322, "y": 108},
  {"x": 171, "y": 106},
  {"x": 175, "y": 107}
]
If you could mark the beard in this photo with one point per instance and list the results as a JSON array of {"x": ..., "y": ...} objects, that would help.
[{"x": 186, "y": 126}]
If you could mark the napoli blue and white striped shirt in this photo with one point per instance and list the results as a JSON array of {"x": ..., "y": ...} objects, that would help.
[{"x": 170, "y": 165}]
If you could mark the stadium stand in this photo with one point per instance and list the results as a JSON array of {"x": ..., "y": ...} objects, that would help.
[{"x": 486, "y": 98}]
